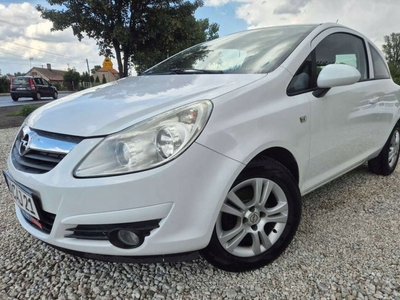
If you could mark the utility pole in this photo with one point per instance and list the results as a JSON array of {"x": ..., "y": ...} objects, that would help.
[
  {"x": 30, "y": 62},
  {"x": 88, "y": 71}
]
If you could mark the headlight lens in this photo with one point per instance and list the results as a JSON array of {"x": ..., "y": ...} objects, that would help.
[{"x": 148, "y": 144}]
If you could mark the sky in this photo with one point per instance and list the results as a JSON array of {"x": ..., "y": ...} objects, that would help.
[{"x": 27, "y": 41}]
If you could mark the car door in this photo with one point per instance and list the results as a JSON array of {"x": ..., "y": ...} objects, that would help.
[
  {"x": 40, "y": 87},
  {"x": 388, "y": 97},
  {"x": 345, "y": 121},
  {"x": 47, "y": 87}
]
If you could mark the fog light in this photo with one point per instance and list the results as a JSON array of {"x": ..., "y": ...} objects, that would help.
[
  {"x": 125, "y": 238},
  {"x": 128, "y": 237}
]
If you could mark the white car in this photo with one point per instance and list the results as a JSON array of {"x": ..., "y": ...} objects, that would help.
[{"x": 208, "y": 152}]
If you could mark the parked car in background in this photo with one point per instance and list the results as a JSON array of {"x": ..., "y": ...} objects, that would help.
[
  {"x": 31, "y": 87},
  {"x": 209, "y": 151}
]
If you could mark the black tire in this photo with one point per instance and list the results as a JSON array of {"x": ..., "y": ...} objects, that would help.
[
  {"x": 271, "y": 170},
  {"x": 37, "y": 96},
  {"x": 55, "y": 95},
  {"x": 15, "y": 98},
  {"x": 381, "y": 165}
]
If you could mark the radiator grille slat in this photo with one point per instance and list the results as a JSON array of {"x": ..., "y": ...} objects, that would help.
[{"x": 36, "y": 160}]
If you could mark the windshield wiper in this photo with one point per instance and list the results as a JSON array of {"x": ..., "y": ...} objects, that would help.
[
  {"x": 195, "y": 71},
  {"x": 181, "y": 71}
]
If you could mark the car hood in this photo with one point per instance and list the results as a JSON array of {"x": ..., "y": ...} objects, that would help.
[{"x": 115, "y": 106}]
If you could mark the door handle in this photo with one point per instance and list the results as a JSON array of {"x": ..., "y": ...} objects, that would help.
[{"x": 374, "y": 100}]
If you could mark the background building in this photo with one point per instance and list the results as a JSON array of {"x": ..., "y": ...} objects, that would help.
[
  {"x": 107, "y": 71},
  {"x": 51, "y": 75}
]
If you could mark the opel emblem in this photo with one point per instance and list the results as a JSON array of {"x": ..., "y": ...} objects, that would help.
[
  {"x": 25, "y": 142},
  {"x": 254, "y": 218}
]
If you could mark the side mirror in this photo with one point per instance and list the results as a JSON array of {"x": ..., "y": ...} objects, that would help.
[{"x": 337, "y": 75}]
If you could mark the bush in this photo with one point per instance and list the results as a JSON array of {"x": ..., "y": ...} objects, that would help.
[
  {"x": 24, "y": 111},
  {"x": 4, "y": 84},
  {"x": 59, "y": 86}
]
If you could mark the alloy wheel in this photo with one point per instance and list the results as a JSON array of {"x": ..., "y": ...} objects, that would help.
[
  {"x": 252, "y": 218},
  {"x": 394, "y": 148}
]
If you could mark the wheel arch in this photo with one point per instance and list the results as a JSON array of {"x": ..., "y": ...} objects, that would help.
[{"x": 283, "y": 156}]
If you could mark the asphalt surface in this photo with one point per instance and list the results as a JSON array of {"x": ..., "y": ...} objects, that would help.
[{"x": 7, "y": 101}]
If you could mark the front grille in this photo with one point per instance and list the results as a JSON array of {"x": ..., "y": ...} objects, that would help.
[
  {"x": 102, "y": 232},
  {"x": 37, "y": 162},
  {"x": 39, "y": 152},
  {"x": 47, "y": 220}
]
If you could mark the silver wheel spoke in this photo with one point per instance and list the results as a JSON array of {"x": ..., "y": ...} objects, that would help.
[
  {"x": 266, "y": 193},
  {"x": 236, "y": 241},
  {"x": 236, "y": 200},
  {"x": 258, "y": 188},
  {"x": 256, "y": 247},
  {"x": 231, "y": 234},
  {"x": 265, "y": 241},
  {"x": 281, "y": 218},
  {"x": 279, "y": 208},
  {"x": 232, "y": 211},
  {"x": 391, "y": 155}
]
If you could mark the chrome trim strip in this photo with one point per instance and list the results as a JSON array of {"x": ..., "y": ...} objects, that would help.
[{"x": 39, "y": 142}]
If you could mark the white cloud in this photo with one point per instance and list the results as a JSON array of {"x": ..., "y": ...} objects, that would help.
[
  {"x": 370, "y": 17},
  {"x": 26, "y": 35},
  {"x": 292, "y": 7}
]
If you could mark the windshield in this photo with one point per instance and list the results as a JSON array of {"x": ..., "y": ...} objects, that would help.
[{"x": 247, "y": 52}]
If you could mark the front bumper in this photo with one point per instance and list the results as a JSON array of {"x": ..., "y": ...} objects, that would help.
[{"x": 185, "y": 194}]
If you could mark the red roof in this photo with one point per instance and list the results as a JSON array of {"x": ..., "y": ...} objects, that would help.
[{"x": 112, "y": 71}]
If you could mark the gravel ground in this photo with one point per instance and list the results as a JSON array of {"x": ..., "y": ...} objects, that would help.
[{"x": 347, "y": 247}]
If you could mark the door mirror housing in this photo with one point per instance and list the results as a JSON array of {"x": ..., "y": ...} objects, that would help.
[{"x": 337, "y": 75}]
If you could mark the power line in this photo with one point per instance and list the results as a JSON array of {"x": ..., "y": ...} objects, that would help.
[
  {"x": 44, "y": 51},
  {"x": 1, "y": 50},
  {"x": 13, "y": 63}
]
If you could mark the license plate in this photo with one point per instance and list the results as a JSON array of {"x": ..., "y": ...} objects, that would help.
[
  {"x": 21, "y": 89},
  {"x": 22, "y": 198}
]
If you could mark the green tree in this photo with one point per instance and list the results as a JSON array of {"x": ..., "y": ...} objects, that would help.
[
  {"x": 71, "y": 80},
  {"x": 95, "y": 69},
  {"x": 97, "y": 79},
  {"x": 131, "y": 26},
  {"x": 4, "y": 84},
  {"x": 91, "y": 78},
  {"x": 19, "y": 74},
  {"x": 391, "y": 48},
  {"x": 104, "y": 80},
  {"x": 85, "y": 77},
  {"x": 395, "y": 71},
  {"x": 159, "y": 45}
]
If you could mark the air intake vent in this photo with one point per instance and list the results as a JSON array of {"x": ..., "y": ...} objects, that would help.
[
  {"x": 46, "y": 222},
  {"x": 102, "y": 232}
]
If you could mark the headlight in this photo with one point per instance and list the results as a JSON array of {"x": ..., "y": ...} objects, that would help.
[{"x": 148, "y": 144}]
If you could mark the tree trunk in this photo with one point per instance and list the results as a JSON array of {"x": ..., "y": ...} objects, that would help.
[
  {"x": 126, "y": 60},
  {"x": 119, "y": 60}
]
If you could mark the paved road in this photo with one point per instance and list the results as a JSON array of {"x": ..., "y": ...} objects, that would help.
[{"x": 7, "y": 101}]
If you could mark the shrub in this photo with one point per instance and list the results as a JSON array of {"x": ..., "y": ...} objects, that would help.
[{"x": 25, "y": 110}]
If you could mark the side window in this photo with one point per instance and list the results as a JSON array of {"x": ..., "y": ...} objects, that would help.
[
  {"x": 302, "y": 81},
  {"x": 342, "y": 48},
  {"x": 38, "y": 81},
  {"x": 380, "y": 68},
  {"x": 45, "y": 82}
]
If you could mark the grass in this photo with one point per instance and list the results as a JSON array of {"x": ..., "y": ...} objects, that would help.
[{"x": 24, "y": 111}]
